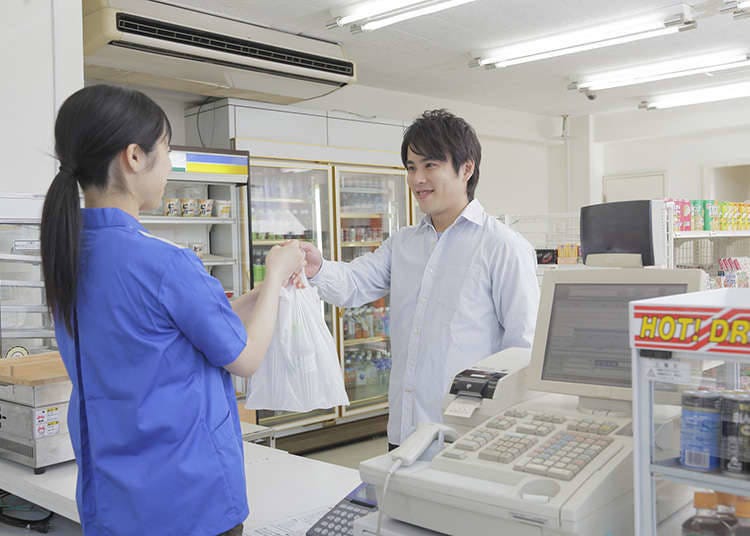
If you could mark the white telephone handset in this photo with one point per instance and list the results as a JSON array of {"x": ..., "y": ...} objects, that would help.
[
  {"x": 422, "y": 439},
  {"x": 409, "y": 452}
]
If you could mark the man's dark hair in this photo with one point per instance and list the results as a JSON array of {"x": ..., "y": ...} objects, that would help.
[{"x": 437, "y": 134}]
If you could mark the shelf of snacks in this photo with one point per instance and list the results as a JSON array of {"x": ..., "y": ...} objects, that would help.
[
  {"x": 179, "y": 220},
  {"x": 365, "y": 244}
]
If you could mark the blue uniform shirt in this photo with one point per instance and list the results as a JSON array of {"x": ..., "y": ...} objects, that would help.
[{"x": 153, "y": 417}]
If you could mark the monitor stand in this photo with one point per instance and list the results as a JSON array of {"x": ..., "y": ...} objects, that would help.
[{"x": 604, "y": 406}]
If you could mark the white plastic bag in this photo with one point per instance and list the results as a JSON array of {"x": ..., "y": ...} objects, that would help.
[{"x": 300, "y": 371}]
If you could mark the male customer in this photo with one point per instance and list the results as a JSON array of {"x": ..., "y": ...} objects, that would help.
[{"x": 462, "y": 285}]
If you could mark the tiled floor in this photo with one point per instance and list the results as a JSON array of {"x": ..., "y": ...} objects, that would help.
[{"x": 350, "y": 455}]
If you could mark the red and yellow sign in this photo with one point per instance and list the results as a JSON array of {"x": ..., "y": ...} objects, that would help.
[{"x": 692, "y": 329}]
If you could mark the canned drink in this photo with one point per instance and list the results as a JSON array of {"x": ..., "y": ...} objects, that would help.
[
  {"x": 735, "y": 435},
  {"x": 700, "y": 428}
]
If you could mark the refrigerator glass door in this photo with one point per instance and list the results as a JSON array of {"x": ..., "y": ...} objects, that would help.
[
  {"x": 372, "y": 205},
  {"x": 290, "y": 200}
]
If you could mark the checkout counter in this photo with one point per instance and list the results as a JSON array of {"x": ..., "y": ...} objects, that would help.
[{"x": 560, "y": 463}]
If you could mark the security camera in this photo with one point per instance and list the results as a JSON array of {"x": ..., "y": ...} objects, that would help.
[{"x": 590, "y": 95}]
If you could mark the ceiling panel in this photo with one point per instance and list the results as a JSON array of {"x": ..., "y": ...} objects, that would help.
[{"x": 429, "y": 55}]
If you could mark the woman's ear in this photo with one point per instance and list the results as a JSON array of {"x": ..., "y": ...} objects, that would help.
[{"x": 133, "y": 159}]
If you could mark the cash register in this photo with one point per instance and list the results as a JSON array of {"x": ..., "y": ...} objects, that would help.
[{"x": 560, "y": 464}]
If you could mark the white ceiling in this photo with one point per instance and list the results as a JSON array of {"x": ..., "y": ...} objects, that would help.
[{"x": 429, "y": 55}]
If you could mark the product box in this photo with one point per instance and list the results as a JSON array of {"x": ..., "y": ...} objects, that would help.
[{"x": 546, "y": 256}]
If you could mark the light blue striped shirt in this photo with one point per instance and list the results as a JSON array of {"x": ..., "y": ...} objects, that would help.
[{"x": 454, "y": 301}]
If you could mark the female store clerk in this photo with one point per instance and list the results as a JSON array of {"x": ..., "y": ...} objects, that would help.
[{"x": 147, "y": 336}]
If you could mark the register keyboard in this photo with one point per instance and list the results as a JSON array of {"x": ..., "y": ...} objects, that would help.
[{"x": 518, "y": 442}]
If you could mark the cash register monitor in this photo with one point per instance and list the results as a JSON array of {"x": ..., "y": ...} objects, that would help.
[{"x": 581, "y": 342}]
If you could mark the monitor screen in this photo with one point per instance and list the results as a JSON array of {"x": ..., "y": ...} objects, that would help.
[{"x": 587, "y": 335}]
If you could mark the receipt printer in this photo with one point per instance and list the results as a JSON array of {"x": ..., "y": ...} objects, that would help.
[{"x": 486, "y": 389}]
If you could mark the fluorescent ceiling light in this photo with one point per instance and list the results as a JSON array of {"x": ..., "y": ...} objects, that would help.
[
  {"x": 706, "y": 63},
  {"x": 711, "y": 94},
  {"x": 604, "y": 35},
  {"x": 739, "y": 8},
  {"x": 376, "y": 14}
]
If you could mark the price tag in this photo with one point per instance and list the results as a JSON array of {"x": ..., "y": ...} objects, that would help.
[{"x": 667, "y": 371}]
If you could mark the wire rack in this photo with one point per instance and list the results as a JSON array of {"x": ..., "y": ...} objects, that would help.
[
  {"x": 705, "y": 252},
  {"x": 546, "y": 231}
]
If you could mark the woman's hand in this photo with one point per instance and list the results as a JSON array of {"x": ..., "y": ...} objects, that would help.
[{"x": 284, "y": 262}]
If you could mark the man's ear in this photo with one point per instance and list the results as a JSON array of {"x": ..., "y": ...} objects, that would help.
[{"x": 468, "y": 170}]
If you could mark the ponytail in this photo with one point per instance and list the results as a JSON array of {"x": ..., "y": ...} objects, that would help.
[
  {"x": 92, "y": 127},
  {"x": 60, "y": 241}
]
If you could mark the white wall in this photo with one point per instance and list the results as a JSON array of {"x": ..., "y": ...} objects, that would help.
[
  {"x": 174, "y": 106},
  {"x": 41, "y": 53},
  {"x": 684, "y": 142},
  {"x": 517, "y": 166}
]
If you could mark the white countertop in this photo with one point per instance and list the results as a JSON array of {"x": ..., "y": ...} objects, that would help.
[{"x": 279, "y": 485}]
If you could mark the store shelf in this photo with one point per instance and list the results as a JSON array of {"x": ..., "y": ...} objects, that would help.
[
  {"x": 15, "y": 308},
  {"x": 215, "y": 260},
  {"x": 277, "y": 242},
  {"x": 366, "y": 394},
  {"x": 687, "y": 235},
  {"x": 177, "y": 220},
  {"x": 369, "y": 340},
  {"x": 379, "y": 191},
  {"x": 672, "y": 470},
  {"x": 14, "y": 257},
  {"x": 281, "y": 200},
  {"x": 366, "y": 244},
  {"x": 28, "y": 333},
  {"x": 26, "y": 284},
  {"x": 361, "y": 215}
]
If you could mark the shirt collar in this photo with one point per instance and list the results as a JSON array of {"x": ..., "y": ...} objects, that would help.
[
  {"x": 94, "y": 218},
  {"x": 473, "y": 212}
]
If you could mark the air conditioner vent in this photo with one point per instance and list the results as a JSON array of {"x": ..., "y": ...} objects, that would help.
[{"x": 155, "y": 29}]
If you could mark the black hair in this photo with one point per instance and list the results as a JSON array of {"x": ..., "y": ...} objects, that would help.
[
  {"x": 93, "y": 126},
  {"x": 437, "y": 134}
]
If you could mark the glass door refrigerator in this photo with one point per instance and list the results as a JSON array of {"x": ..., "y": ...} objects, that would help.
[
  {"x": 371, "y": 205},
  {"x": 204, "y": 208},
  {"x": 290, "y": 200}
]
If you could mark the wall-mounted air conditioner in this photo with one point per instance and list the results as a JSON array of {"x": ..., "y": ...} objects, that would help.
[{"x": 139, "y": 42}]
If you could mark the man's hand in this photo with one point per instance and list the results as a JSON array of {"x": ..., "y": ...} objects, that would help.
[{"x": 313, "y": 259}]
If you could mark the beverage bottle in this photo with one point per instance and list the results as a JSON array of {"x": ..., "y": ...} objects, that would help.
[
  {"x": 705, "y": 522},
  {"x": 350, "y": 374},
  {"x": 351, "y": 328},
  {"x": 257, "y": 278},
  {"x": 370, "y": 321},
  {"x": 345, "y": 324},
  {"x": 379, "y": 322},
  {"x": 742, "y": 511},
  {"x": 361, "y": 366},
  {"x": 725, "y": 508},
  {"x": 387, "y": 322}
]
